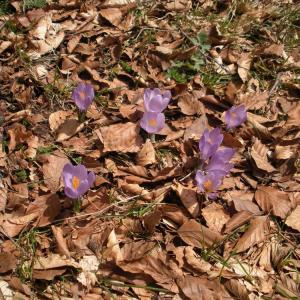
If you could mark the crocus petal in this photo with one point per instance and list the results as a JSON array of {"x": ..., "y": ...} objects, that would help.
[
  {"x": 210, "y": 142},
  {"x": 71, "y": 193},
  {"x": 83, "y": 188},
  {"x": 235, "y": 116},
  {"x": 81, "y": 172},
  {"x": 155, "y": 101},
  {"x": 152, "y": 122},
  {"x": 91, "y": 178},
  {"x": 83, "y": 95}
]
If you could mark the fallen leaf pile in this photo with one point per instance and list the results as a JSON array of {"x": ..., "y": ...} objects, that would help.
[{"x": 144, "y": 231}]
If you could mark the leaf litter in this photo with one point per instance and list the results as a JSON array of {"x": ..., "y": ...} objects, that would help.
[{"x": 144, "y": 230}]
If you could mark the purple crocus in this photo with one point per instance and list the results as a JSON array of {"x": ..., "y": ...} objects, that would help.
[
  {"x": 77, "y": 180},
  {"x": 209, "y": 182},
  {"x": 153, "y": 122},
  {"x": 155, "y": 100},
  {"x": 210, "y": 142},
  {"x": 83, "y": 95},
  {"x": 235, "y": 116},
  {"x": 219, "y": 162}
]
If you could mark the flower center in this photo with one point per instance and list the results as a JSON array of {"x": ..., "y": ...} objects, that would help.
[
  {"x": 208, "y": 185},
  {"x": 82, "y": 95},
  {"x": 233, "y": 115},
  {"x": 75, "y": 182},
  {"x": 152, "y": 122}
]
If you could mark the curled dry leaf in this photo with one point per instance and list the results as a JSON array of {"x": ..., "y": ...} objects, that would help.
[
  {"x": 215, "y": 216},
  {"x": 237, "y": 289},
  {"x": 197, "y": 263},
  {"x": 190, "y": 105},
  {"x": 201, "y": 288},
  {"x": 112, "y": 15},
  {"x": 121, "y": 138},
  {"x": 57, "y": 118},
  {"x": 256, "y": 233},
  {"x": 12, "y": 225},
  {"x": 146, "y": 156},
  {"x": 53, "y": 261},
  {"x": 3, "y": 196},
  {"x": 293, "y": 220},
  {"x": 47, "y": 207},
  {"x": 68, "y": 129},
  {"x": 7, "y": 262},
  {"x": 282, "y": 152},
  {"x": 52, "y": 168},
  {"x": 259, "y": 155},
  {"x": 188, "y": 198},
  {"x": 238, "y": 220},
  {"x": 136, "y": 250},
  {"x": 273, "y": 201},
  {"x": 244, "y": 64},
  {"x": 197, "y": 235},
  {"x": 62, "y": 246},
  {"x": 197, "y": 128}
]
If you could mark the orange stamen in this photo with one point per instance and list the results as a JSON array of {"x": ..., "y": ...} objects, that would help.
[
  {"x": 75, "y": 182},
  {"x": 152, "y": 122},
  {"x": 82, "y": 95},
  {"x": 208, "y": 185}
]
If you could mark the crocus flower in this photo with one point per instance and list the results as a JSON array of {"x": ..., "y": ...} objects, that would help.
[
  {"x": 219, "y": 162},
  {"x": 235, "y": 116},
  {"x": 209, "y": 182},
  {"x": 153, "y": 122},
  {"x": 83, "y": 95},
  {"x": 155, "y": 100},
  {"x": 210, "y": 142},
  {"x": 77, "y": 180}
]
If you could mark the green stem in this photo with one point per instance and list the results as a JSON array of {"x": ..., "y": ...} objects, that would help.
[
  {"x": 77, "y": 205},
  {"x": 81, "y": 116}
]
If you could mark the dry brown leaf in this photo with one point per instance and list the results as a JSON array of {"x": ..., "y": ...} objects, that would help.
[
  {"x": 121, "y": 138},
  {"x": 52, "y": 168},
  {"x": 12, "y": 225},
  {"x": 53, "y": 261},
  {"x": 215, "y": 216},
  {"x": 238, "y": 220},
  {"x": 246, "y": 205},
  {"x": 201, "y": 288},
  {"x": 47, "y": 207},
  {"x": 154, "y": 264},
  {"x": 112, "y": 15},
  {"x": 282, "y": 152},
  {"x": 293, "y": 220},
  {"x": 256, "y": 233},
  {"x": 189, "y": 199},
  {"x": 273, "y": 201},
  {"x": 196, "y": 262},
  {"x": 146, "y": 156},
  {"x": 244, "y": 64},
  {"x": 69, "y": 128},
  {"x": 7, "y": 262},
  {"x": 254, "y": 122},
  {"x": 274, "y": 49},
  {"x": 57, "y": 118},
  {"x": 196, "y": 130},
  {"x": 3, "y": 196},
  {"x": 136, "y": 250},
  {"x": 254, "y": 101},
  {"x": 190, "y": 105},
  {"x": 197, "y": 235},
  {"x": 237, "y": 289},
  {"x": 61, "y": 242},
  {"x": 259, "y": 155},
  {"x": 48, "y": 274}
]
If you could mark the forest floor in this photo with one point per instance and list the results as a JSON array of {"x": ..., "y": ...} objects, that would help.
[{"x": 144, "y": 230}]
